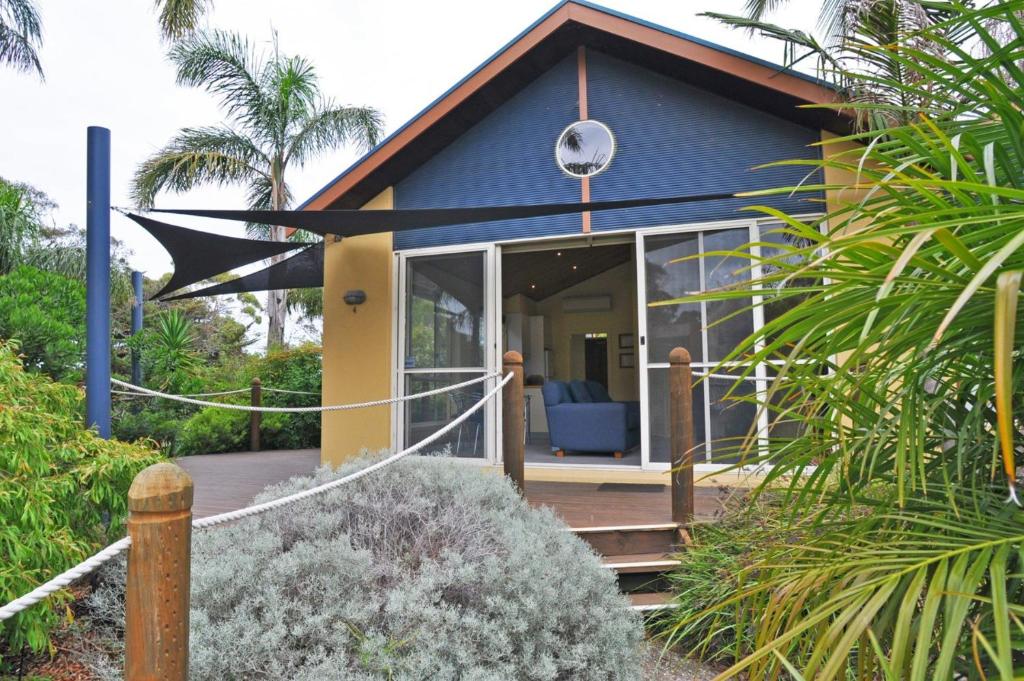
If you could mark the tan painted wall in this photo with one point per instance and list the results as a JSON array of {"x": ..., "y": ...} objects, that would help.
[
  {"x": 357, "y": 345},
  {"x": 559, "y": 327},
  {"x": 847, "y": 152}
]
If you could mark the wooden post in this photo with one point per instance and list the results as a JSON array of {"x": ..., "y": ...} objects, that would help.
[
  {"x": 513, "y": 424},
  {"x": 157, "y": 591},
  {"x": 255, "y": 417},
  {"x": 680, "y": 416}
]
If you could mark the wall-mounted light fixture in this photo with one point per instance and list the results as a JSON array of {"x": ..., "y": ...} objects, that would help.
[{"x": 355, "y": 297}]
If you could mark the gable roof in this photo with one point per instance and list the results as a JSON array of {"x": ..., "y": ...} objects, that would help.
[{"x": 752, "y": 81}]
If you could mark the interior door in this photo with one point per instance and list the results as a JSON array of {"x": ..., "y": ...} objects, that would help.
[
  {"x": 671, "y": 265},
  {"x": 446, "y": 335}
]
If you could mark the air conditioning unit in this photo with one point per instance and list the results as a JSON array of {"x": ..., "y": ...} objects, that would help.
[{"x": 601, "y": 303}]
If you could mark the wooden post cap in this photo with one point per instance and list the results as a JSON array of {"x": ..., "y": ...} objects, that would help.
[
  {"x": 163, "y": 487},
  {"x": 512, "y": 357},
  {"x": 679, "y": 356}
]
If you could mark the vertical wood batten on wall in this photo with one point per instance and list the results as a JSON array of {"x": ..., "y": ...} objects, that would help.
[
  {"x": 581, "y": 71},
  {"x": 357, "y": 362}
]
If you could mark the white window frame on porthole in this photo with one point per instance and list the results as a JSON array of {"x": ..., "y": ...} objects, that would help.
[{"x": 611, "y": 152}]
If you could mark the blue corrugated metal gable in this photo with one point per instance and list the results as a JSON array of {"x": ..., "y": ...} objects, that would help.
[
  {"x": 506, "y": 159},
  {"x": 672, "y": 139}
]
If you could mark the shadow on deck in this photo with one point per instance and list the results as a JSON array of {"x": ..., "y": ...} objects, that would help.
[{"x": 224, "y": 482}]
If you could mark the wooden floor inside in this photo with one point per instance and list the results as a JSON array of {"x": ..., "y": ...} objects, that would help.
[{"x": 224, "y": 482}]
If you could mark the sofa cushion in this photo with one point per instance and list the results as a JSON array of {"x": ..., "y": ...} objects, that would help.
[
  {"x": 555, "y": 392},
  {"x": 579, "y": 392},
  {"x": 598, "y": 393}
]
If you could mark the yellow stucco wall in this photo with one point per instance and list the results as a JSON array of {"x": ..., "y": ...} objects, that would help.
[{"x": 357, "y": 345}]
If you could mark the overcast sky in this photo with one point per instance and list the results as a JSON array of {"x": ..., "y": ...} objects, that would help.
[{"x": 105, "y": 65}]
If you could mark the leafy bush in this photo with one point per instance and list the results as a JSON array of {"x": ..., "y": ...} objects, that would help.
[
  {"x": 425, "y": 569},
  {"x": 63, "y": 490},
  {"x": 214, "y": 431},
  {"x": 710, "y": 572},
  {"x": 45, "y": 313},
  {"x": 299, "y": 369}
]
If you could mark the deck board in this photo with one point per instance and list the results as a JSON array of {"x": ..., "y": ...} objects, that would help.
[{"x": 224, "y": 482}]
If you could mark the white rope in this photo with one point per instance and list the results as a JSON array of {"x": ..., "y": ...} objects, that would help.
[
  {"x": 727, "y": 377},
  {"x": 289, "y": 392},
  {"x": 212, "y": 520},
  {"x": 300, "y": 410},
  {"x": 88, "y": 565},
  {"x": 136, "y": 394},
  {"x": 63, "y": 579}
]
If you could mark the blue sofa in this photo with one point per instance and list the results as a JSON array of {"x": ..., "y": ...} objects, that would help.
[{"x": 583, "y": 418}]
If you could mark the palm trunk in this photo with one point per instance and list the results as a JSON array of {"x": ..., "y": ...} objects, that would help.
[{"x": 277, "y": 301}]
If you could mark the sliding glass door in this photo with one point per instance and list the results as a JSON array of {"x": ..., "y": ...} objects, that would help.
[
  {"x": 446, "y": 336},
  {"x": 672, "y": 265}
]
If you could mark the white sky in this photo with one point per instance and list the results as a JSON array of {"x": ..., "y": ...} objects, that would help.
[{"x": 105, "y": 65}]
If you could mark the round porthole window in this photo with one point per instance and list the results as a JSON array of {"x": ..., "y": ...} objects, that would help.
[{"x": 585, "y": 148}]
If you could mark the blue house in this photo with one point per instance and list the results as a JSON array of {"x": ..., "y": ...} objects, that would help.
[{"x": 585, "y": 105}]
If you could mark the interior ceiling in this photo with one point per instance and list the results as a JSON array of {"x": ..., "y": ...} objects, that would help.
[{"x": 540, "y": 274}]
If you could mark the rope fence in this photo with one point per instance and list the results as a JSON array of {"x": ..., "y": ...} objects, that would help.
[
  {"x": 139, "y": 390},
  {"x": 93, "y": 562}
]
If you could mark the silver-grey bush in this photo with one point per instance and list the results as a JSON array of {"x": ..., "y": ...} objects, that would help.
[{"x": 424, "y": 570}]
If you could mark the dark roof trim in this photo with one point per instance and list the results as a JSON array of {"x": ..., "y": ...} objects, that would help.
[{"x": 793, "y": 83}]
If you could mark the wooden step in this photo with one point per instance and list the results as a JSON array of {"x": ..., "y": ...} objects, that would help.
[
  {"x": 640, "y": 563},
  {"x": 646, "y": 602},
  {"x": 630, "y": 539}
]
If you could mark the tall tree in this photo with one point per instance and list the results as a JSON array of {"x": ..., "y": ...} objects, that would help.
[
  {"x": 21, "y": 34},
  {"x": 277, "y": 117}
]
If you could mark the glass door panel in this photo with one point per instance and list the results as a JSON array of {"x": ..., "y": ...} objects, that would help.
[
  {"x": 676, "y": 265},
  {"x": 445, "y": 339}
]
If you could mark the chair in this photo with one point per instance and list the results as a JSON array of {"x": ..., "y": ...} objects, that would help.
[{"x": 582, "y": 417}]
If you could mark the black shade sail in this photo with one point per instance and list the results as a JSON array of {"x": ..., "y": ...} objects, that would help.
[
  {"x": 302, "y": 270},
  {"x": 355, "y": 222},
  {"x": 201, "y": 255}
]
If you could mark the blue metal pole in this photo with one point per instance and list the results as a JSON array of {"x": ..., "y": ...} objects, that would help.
[
  {"x": 97, "y": 281},
  {"x": 136, "y": 325}
]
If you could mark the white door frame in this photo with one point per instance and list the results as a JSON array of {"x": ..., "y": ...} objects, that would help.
[
  {"x": 644, "y": 365},
  {"x": 492, "y": 363}
]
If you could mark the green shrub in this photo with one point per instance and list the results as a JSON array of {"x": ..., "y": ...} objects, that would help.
[
  {"x": 298, "y": 369},
  {"x": 214, "y": 431},
  {"x": 423, "y": 570},
  {"x": 710, "y": 572},
  {"x": 62, "y": 491},
  {"x": 45, "y": 313}
]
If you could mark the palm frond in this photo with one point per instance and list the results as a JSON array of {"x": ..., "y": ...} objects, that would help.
[
  {"x": 179, "y": 18},
  {"x": 21, "y": 34},
  {"x": 196, "y": 156},
  {"x": 226, "y": 65},
  {"x": 331, "y": 126}
]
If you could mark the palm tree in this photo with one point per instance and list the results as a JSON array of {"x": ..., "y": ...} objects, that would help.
[
  {"x": 899, "y": 355},
  {"x": 21, "y": 30},
  {"x": 277, "y": 118},
  {"x": 21, "y": 34},
  {"x": 845, "y": 29}
]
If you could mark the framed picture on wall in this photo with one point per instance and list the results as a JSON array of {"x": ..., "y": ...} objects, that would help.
[
  {"x": 627, "y": 360},
  {"x": 626, "y": 341}
]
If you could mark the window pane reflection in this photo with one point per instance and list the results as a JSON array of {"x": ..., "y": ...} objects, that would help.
[
  {"x": 426, "y": 415},
  {"x": 444, "y": 314},
  {"x": 661, "y": 446},
  {"x": 672, "y": 325}
]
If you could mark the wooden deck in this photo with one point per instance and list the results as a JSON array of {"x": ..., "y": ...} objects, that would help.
[{"x": 224, "y": 482}]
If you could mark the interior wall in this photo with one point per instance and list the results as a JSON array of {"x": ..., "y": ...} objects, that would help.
[
  {"x": 559, "y": 327},
  {"x": 357, "y": 344}
]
